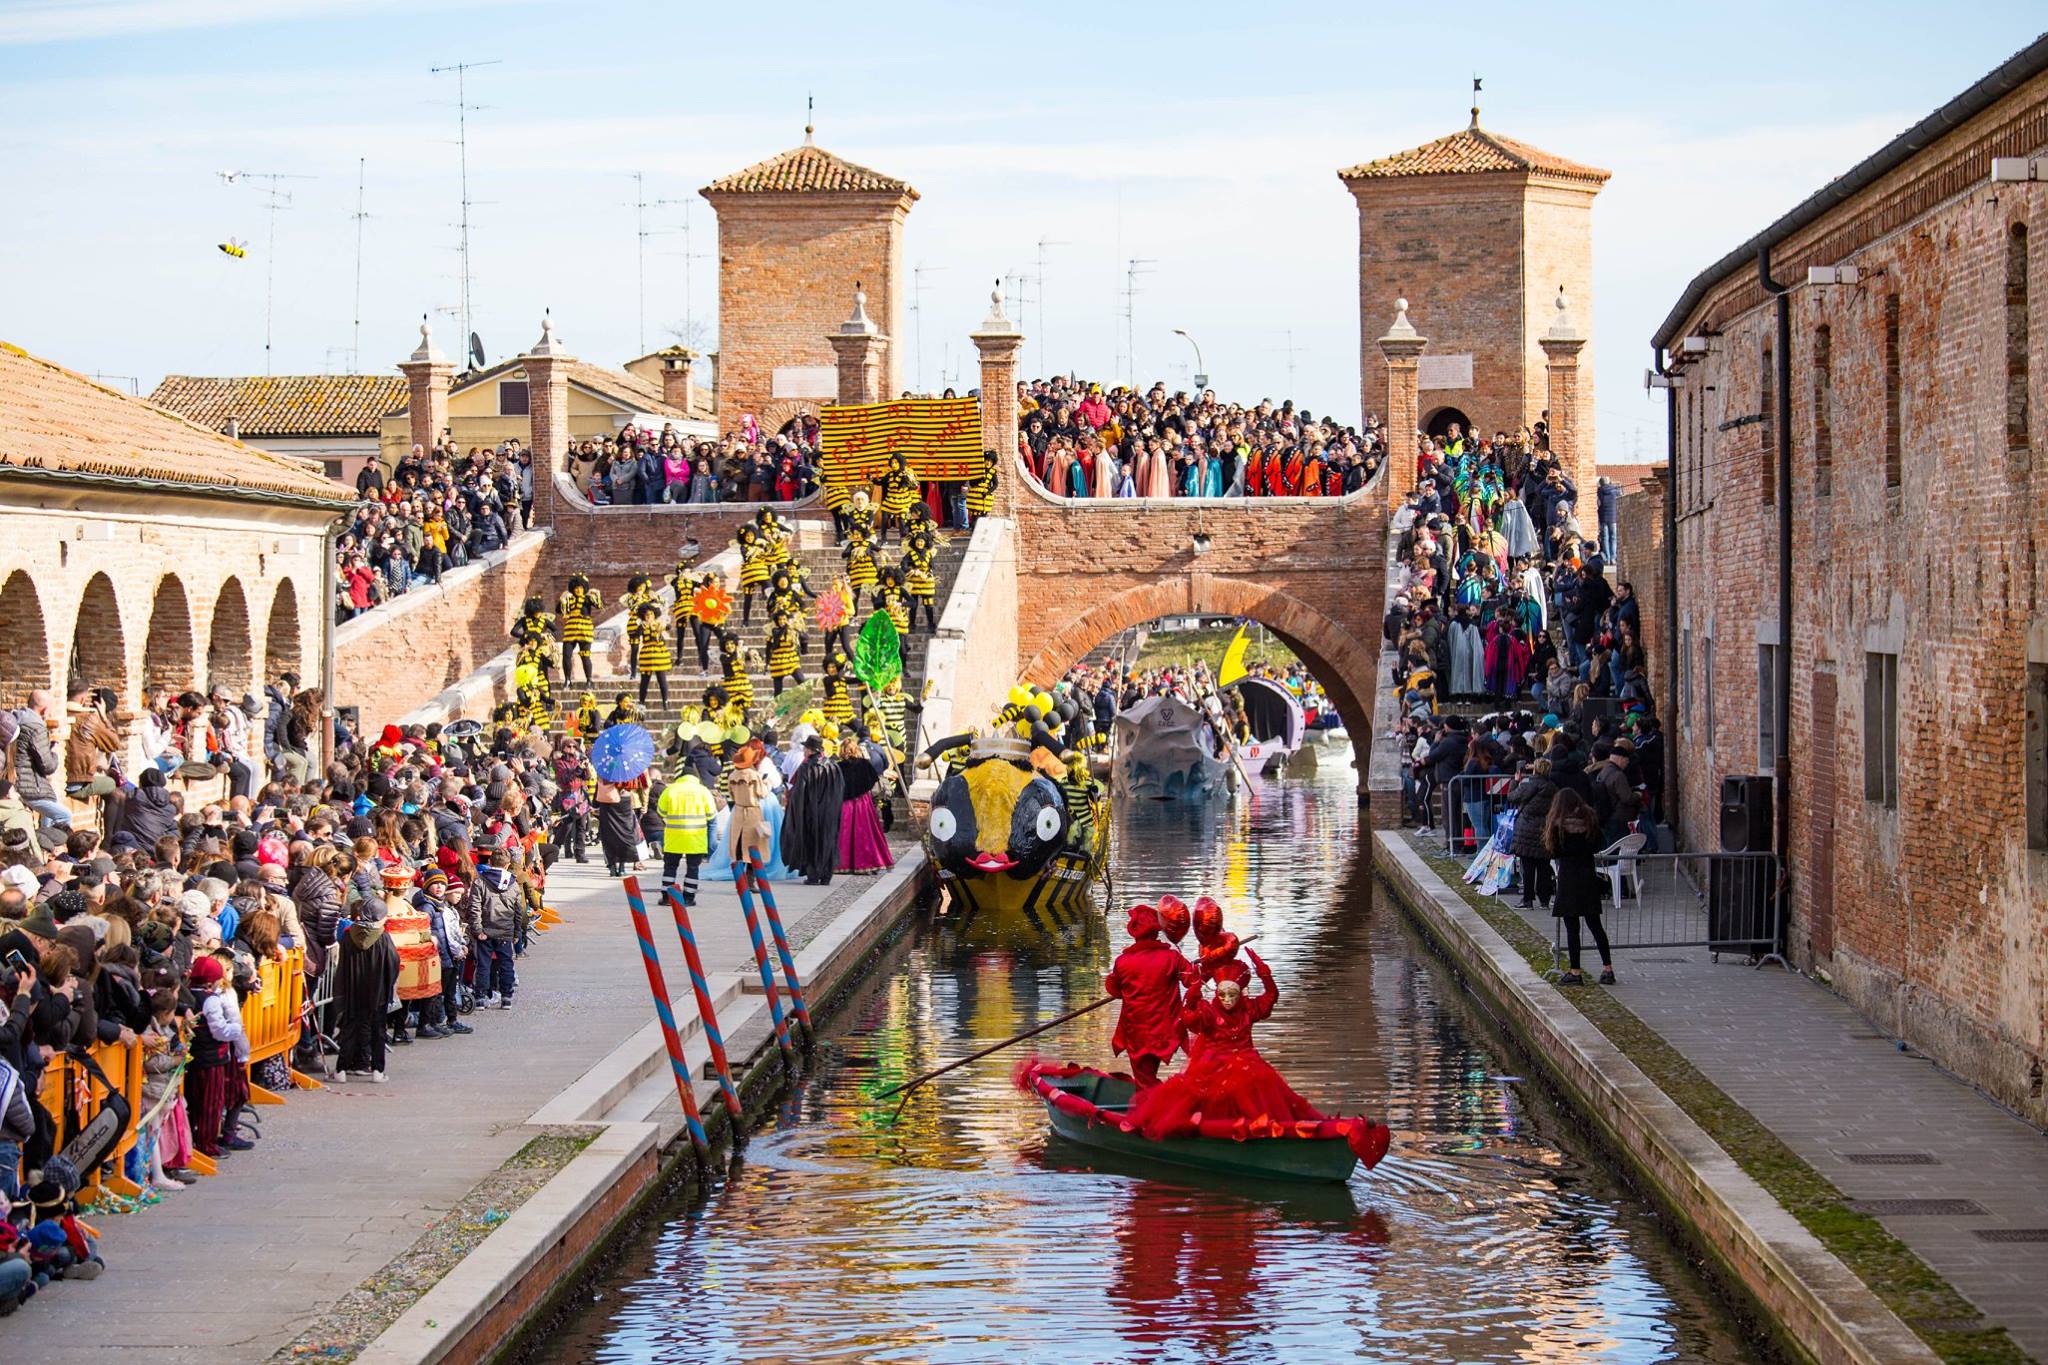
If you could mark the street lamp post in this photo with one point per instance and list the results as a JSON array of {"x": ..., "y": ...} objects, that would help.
[{"x": 1201, "y": 378}]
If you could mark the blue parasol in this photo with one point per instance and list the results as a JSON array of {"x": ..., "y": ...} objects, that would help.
[{"x": 622, "y": 753}]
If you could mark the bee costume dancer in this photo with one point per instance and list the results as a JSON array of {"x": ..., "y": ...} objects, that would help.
[
  {"x": 838, "y": 704},
  {"x": 785, "y": 651},
  {"x": 899, "y": 492},
  {"x": 656, "y": 658},
  {"x": 754, "y": 568},
  {"x": 537, "y": 629},
  {"x": 577, "y": 611},
  {"x": 919, "y": 583},
  {"x": 981, "y": 490},
  {"x": 891, "y": 598},
  {"x": 860, "y": 564},
  {"x": 639, "y": 593},
  {"x": 732, "y": 666},
  {"x": 683, "y": 613},
  {"x": 774, "y": 538}
]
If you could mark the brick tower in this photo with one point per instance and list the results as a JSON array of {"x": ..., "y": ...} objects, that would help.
[
  {"x": 796, "y": 233},
  {"x": 1479, "y": 232}
]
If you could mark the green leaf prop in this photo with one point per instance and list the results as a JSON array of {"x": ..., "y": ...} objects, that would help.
[{"x": 878, "y": 653}]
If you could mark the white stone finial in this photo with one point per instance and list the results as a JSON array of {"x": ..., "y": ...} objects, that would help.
[
  {"x": 995, "y": 299},
  {"x": 1402, "y": 330},
  {"x": 1561, "y": 327},
  {"x": 997, "y": 323},
  {"x": 426, "y": 354},
  {"x": 860, "y": 324},
  {"x": 548, "y": 343}
]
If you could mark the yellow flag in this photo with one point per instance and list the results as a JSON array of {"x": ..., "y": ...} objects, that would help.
[{"x": 1233, "y": 660}]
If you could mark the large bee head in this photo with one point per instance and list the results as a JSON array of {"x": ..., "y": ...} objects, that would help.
[{"x": 997, "y": 816}]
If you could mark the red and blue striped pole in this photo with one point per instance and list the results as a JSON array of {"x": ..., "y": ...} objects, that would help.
[
  {"x": 702, "y": 986},
  {"x": 739, "y": 882},
  {"x": 789, "y": 976},
  {"x": 659, "y": 987}
]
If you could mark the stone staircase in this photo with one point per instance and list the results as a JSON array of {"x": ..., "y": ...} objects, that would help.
[{"x": 812, "y": 544}]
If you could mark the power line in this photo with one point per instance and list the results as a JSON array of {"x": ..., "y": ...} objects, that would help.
[{"x": 462, "y": 112}]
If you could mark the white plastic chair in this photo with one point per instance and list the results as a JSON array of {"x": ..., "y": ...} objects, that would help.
[{"x": 1622, "y": 880}]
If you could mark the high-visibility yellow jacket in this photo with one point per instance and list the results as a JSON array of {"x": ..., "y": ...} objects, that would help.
[{"x": 686, "y": 809}]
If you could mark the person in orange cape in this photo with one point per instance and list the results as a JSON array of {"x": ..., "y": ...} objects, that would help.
[
  {"x": 1147, "y": 978},
  {"x": 1228, "y": 1090}
]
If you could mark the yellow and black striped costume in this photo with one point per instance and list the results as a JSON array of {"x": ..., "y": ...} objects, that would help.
[
  {"x": 892, "y": 599},
  {"x": 860, "y": 561},
  {"x": 838, "y": 706},
  {"x": 981, "y": 491},
  {"x": 754, "y": 565},
  {"x": 899, "y": 490},
  {"x": 918, "y": 580},
  {"x": 785, "y": 648},
  {"x": 774, "y": 546},
  {"x": 1079, "y": 790},
  {"x": 534, "y": 708},
  {"x": 533, "y": 625},
  {"x": 838, "y": 496},
  {"x": 739, "y": 688},
  {"x": 893, "y": 706},
  {"x": 587, "y": 716},
  {"x": 577, "y": 610},
  {"x": 652, "y": 637},
  {"x": 860, "y": 517},
  {"x": 784, "y": 601}
]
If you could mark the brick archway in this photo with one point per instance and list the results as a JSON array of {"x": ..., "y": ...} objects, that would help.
[
  {"x": 1339, "y": 662},
  {"x": 99, "y": 644},
  {"x": 229, "y": 651},
  {"x": 281, "y": 649},
  {"x": 24, "y": 639},
  {"x": 167, "y": 657},
  {"x": 776, "y": 414}
]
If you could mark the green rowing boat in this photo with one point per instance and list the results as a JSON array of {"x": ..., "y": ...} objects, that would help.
[{"x": 1324, "y": 1160}]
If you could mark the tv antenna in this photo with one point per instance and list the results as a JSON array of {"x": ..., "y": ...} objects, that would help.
[
  {"x": 277, "y": 198},
  {"x": 1134, "y": 267},
  {"x": 1289, "y": 350},
  {"x": 355, "y": 345},
  {"x": 1039, "y": 280},
  {"x": 689, "y": 331},
  {"x": 641, "y": 232},
  {"x": 463, "y": 109},
  {"x": 917, "y": 275}
]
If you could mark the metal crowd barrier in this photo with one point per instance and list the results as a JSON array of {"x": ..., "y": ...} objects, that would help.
[
  {"x": 1723, "y": 902},
  {"x": 1470, "y": 803}
]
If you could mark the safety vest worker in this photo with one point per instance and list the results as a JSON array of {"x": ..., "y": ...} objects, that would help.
[{"x": 686, "y": 810}]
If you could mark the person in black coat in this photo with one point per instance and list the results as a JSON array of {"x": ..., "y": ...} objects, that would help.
[
  {"x": 147, "y": 815},
  {"x": 810, "y": 826},
  {"x": 1571, "y": 834},
  {"x": 1532, "y": 798}
]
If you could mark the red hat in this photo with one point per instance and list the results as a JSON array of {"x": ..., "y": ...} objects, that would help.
[
  {"x": 1233, "y": 970},
  {"x": 206, "y": 971},
  {"x": 1208, "y": 919},
  {"x": 1143, "y": 923}
]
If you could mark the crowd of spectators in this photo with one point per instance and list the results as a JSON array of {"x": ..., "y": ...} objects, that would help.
[
  {"x": 1082, "y": 441},
  {"x": 436, "y": 510},
  {"x": 641, "y": 467},
  {"x": 199, "y": 843}
]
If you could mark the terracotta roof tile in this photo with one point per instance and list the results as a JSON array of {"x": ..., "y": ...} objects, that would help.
[
  {"x": 286, "y": 405},
  {"x": 1473, "y": 151},
  {"x": 53, "y": 419},
  {"x": 628, "y": 390},
  {"x": 808, "y": 169}
]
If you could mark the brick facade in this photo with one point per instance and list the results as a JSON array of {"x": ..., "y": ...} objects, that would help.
[
  {"x": 788, "y": 261},
  {"x": 1481, "y": 255},
  {"x": 1917, "y": 534},
  {"x": 1640, "y": 539}
]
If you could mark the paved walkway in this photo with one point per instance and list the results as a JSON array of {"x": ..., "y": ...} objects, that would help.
[
  {"x": 1880, "y": 1123},
  {"x": 346, "y": 1178}
]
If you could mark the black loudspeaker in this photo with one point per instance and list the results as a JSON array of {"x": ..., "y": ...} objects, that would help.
[
  {"x": 1607, "y": 709},
  {"x": 1745, "y": 814}
]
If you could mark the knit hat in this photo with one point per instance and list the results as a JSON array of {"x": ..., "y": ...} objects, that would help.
[{"x": 206, "y": 971}]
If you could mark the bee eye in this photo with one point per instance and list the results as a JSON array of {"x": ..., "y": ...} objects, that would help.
[
  {"x": 1048, "y": 823},
  {"x": 943, "y": 825}
]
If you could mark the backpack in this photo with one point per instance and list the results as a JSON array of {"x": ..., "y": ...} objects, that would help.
[{"x": 95, "y": 1142}]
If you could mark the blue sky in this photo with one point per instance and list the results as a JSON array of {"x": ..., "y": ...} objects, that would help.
[{"x": 1202, "y": 137}]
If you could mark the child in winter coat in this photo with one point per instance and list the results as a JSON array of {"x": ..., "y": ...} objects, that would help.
[
  {"x": 167, "y": 1143},
  {"x": 217, "y": 1078},
  {"x": 494, "y": 917},
  {"x": 431, "y": 900}
]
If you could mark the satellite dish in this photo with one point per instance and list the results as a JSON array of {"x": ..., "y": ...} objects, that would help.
[{"x": 476, "y": 350}]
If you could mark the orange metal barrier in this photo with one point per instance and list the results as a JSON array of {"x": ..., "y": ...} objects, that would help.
[{"x": 272, "y": 1018}]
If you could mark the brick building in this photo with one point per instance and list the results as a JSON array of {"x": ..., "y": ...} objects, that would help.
[
  {"x": 1895, "y": 412},
  {"x": 140, "y": 550},
  {"x": 1480, "y": 233},
  {"x": 796, "y": 233}
]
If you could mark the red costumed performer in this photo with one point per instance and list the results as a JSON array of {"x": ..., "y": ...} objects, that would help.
[
  {"x": 1147, "y": 978},
  {"x": 1228, "y": 1089}
]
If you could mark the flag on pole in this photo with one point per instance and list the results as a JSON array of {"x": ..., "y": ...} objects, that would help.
[{"x": 1233, "y": 659}]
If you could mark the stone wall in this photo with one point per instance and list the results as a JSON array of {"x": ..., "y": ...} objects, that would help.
[
  {"x": 1642, "y": 563},
  {"x": 1917, "y": 533},
  {"x": 402, "y": 654},
  {"x": 972, "y": 661}
]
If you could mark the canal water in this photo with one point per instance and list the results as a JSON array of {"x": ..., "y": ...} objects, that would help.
[{"x": 958, "y": 1230}]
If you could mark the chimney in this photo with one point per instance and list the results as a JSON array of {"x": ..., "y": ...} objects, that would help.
[
  {"x": 427, "y": 373},
  {"x": 233, "y": 429},
  {"x": 678, "y": 387}
]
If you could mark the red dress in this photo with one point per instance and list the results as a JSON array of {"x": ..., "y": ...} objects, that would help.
[
  {"x": 1226, "y": 1081},
  {"x": 1147, "y": 978}
]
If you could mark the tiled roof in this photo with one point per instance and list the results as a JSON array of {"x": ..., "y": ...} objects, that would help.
[
  {"x": 287, "y": 405},
  {"x": 808, "y": 169},
  {"x": 53, "y": 419},
  {"x": 627, "y": 390},
  {"x": 1473, "y": 151}
]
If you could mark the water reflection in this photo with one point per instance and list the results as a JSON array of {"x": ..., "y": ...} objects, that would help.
[{"x": 958, "y": 1230}]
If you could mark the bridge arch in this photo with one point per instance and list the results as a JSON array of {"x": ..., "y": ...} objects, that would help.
[{"x": 1340, "y": 663}]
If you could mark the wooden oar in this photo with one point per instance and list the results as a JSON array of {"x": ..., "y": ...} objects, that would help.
[
  {"x": 1070, "y": 1015},
  {"x": 996, "y": 1047}
]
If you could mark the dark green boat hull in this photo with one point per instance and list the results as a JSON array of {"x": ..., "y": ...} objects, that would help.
[{"x": 1316, "y": 1160}]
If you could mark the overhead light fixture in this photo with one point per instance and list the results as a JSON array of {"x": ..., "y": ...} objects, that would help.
[
  {"x": 1202, "y": 542},
  {"x": 2018, "y": 169},
  {"x": 1832, "y": 274}
]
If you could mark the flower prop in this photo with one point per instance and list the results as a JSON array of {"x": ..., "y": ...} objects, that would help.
[
  {"x": 831, "y": 608},
  {"x": 712, "y": 604}
]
